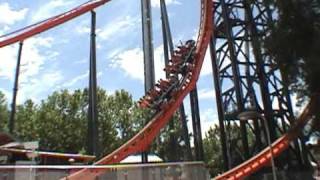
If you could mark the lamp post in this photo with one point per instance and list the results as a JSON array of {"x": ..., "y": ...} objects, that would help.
[{"x": 246, "y": 115}]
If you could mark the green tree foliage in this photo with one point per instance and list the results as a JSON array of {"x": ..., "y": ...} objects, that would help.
[
  {"x": 170, "y": 145},
  {"x": 213, "y": 153},
  {"x": 59, "y": 122},
  {"x": 294, "y": 43},
  {"x": 25, "y": 124},
  {"x": 213, "y": 150},
  {"x": 4, "y": 113},
  {"x": 119, "y": 119}
]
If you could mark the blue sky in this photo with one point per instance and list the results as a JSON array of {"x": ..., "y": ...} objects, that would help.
[{"x": 59, "y": 58}]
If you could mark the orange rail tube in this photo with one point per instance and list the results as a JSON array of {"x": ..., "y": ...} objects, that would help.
[
  {"x": 50, "y": 23},
  {"x": 263, "y": 158},
  {"x": 144, "y": 138}
]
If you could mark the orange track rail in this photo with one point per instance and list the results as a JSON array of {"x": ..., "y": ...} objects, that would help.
[
  {"x": 32, "y": 30},
  {"x": 141, "y": 141},
  {"x": 264, "y": 157},
  {"x": 144, "y": 138},
  {"x": 40, "y": 27}
]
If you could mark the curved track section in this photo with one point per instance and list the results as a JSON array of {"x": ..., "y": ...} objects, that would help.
[
  {"x": 144, "y": 138},
  {"x": 27, "y": 32},
  {"x": 263, "y": 158}
]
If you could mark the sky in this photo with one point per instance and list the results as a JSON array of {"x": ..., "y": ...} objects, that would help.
[{"x": 59, "y": 58}]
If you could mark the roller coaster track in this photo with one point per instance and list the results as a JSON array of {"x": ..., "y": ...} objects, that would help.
[
  {"x": 141, "y": 141},
  {"x": 34, "y": 29},
  {"x": 263, "y": 158}
]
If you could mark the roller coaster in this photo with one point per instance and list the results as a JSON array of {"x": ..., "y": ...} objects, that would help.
[{"x": 167, "y": 95}]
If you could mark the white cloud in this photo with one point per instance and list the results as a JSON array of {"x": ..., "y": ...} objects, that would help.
[
  {"x": 51, "y": 8},
  {"x": 206, "y": 94},
  {"x": 156, "y": 3},
  {"x": 118, "y": 26},
  {"x": 8, "y": 54},
  {"x": 33, "y": 58},
  {"x": 9, "y": 16},
  {"x": 76, "y": 79},
  {"x": 82, "y": 61},
  {"x": 207, "y": 66},
  {"x": 131, "y": 62},
  {"x": 35, "y": 52},
  {"x": 38, "y": 85},
  {"x": 209, "y": 118},
  {"x": 83, "y": 29},
  {"x": 71, "y": 83},
  {"x": 31, "y": 61}
]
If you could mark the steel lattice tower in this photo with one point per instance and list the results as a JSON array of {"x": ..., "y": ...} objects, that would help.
[{"x": 246, "y": 79}]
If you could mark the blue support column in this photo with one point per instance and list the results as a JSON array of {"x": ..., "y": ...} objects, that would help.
[
  {"x": 15, "y": 91},
  {"x": 149, "y": 75},
  {"x": 93, "y": 138}
]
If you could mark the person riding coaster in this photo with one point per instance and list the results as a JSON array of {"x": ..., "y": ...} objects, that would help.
[{"x": 180, "y": 63}]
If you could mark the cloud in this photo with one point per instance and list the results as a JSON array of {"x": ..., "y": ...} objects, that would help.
[
  {"x": 119, "y": 26},
  {"x": 36, "y": 86},
  {"x": 33, "y": 80},
  {"x": 73, "y": 81},
  {"x": 156, "y": 3},
  {"x": 131, "y": 62},
  {"x": 82, "y": 61},
  {"x": 33, "y": 56},
  {"x": 206, "y": 94},
  {"x": 9, "y": 16},
  {"x": 82, "y": 77},
  {"x": 207, "y": 66},
  {"x": 209, "y": 118},
  {"x": 51, "y": 8},
  {"x": 8, "y": 54},
  {"x": 83, "y": 29}
]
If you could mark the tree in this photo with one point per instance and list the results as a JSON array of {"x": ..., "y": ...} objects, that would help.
[
  {"x": 294, "y": 43},
  {"x": 171, "y": 150},
  {"x": 212, "y": 149},
  {"x": 59, "y": 122},
  {"x": 25, "y": 124},
  {"x": 4, "y": 112},
  {"x": 115, "y": 122}
]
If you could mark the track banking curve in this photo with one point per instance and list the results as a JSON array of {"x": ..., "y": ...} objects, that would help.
[
  {"x": 32, "y": 30},
  {"x": 141, "y": 141},
  {"x": 263, "y": 158}
]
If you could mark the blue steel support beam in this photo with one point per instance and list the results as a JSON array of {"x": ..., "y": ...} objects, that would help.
[{"x": 15, "y": 90}]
